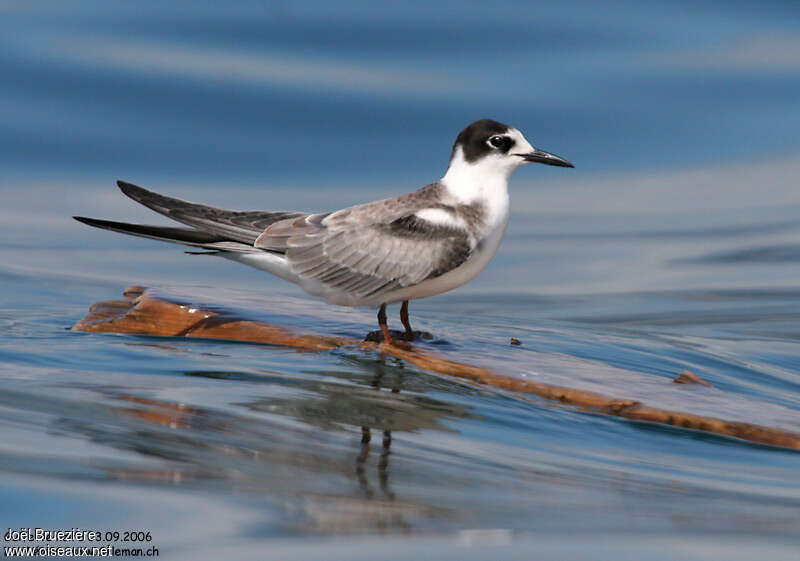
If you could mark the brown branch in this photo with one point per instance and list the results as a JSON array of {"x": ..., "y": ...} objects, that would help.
[
  {"x": 140, "y": 313},
  {"x": 689, "y": 377}
]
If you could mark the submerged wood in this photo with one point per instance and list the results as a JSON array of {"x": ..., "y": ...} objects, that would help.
[{"x": 139, "y": 312}]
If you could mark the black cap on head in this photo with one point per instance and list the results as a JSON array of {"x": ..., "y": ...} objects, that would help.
[{"x": 473, "y": 139}]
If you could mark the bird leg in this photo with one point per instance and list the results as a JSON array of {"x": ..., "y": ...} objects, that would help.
[
  {"x": 405, "y": 322},
  {"x": 382, "y": 323}
]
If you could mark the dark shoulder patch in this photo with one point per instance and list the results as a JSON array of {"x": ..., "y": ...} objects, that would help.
[
  {"x": 411, "y": 226},
  {"x": 474, "y": 214},
  {"x": 457, "y": 254},
  {"x": 457, "y": 247}
]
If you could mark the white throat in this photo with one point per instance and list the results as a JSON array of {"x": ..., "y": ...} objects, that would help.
[
  {"x": 484, "y": 181},
  {"x": 470, "y": 181}
]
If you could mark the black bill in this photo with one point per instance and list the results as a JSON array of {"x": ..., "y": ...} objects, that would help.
[{"x": 542, "y": 157}]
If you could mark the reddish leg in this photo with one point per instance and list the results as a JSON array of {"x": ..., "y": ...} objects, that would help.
[
  {"x": 405, "y": 322},
  {"x": 382, "y": 323}
]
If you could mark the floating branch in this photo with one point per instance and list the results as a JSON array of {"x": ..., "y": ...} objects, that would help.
[
  {"x": 141, "y": 313},
  {"x": 689, "y": 377}
]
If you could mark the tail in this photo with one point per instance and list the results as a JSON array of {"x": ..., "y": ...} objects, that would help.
[{"x": 213, "y": 228}]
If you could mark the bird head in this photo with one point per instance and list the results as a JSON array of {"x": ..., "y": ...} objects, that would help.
[{"x": 491, "y": 147}]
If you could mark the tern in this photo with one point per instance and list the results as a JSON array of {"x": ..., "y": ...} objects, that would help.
[{"x": 393, "y": 250}]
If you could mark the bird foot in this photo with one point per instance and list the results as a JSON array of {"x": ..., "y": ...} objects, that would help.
[{"x": 377, "y": 336}]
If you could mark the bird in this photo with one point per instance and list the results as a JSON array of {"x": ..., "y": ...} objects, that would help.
[{"x": 412, "y": 246}]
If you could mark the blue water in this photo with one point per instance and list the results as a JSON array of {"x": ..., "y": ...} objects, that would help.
[{"x": 672, "y": 245}]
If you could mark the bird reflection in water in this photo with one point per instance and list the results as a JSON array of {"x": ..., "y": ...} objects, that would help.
[
  {"x": 307, "y": 459},
  {"x": 366, "y": 437}
]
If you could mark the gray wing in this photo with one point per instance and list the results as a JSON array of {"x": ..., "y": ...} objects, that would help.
[
  {"x": 370, "y": 249},
  {"x": 240, "y": 226}
]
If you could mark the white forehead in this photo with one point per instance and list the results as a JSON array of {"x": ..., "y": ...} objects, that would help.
[
  {"x": 521, "y": 143},
  {"x": 515, "y": 134}
]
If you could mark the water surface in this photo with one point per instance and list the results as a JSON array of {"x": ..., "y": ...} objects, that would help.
[{"x": 672, "y": 245}]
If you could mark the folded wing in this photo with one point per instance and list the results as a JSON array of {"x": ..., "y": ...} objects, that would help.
[
  {"x": 362, "y": 251},
  {"x": 368, "y": 250}
]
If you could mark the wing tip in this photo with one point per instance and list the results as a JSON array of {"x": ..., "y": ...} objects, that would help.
[
  {"x": 133, "y": 191},
  {"x": 99, "y": 223}
]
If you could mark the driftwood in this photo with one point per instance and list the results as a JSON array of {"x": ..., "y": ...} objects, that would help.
[
  {"x": 140, "y": 313},
  {"x": 689, "y": 377}
]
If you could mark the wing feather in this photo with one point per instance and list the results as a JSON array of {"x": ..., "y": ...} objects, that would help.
[
  {"x": 370, "y": 249},
  {"x": 240, "y": 226}
]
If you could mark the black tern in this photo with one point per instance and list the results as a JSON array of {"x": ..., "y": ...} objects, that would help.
[{"x": 394, "y": 250}]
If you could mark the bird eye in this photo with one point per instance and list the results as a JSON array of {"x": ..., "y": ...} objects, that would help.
[{"x": 498, "y": 141}]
